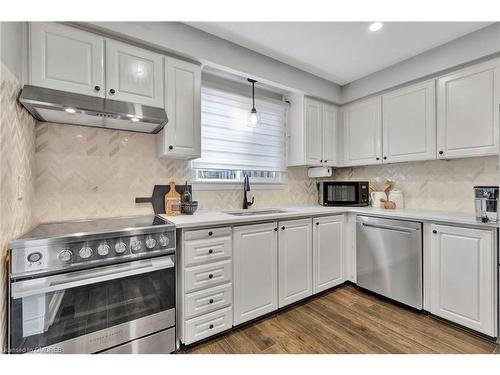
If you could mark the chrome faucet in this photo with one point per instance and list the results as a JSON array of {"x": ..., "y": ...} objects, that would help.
[{"x": 246, "y": 188}]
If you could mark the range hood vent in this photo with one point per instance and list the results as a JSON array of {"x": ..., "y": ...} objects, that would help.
[{"x": 63, "y": 107}]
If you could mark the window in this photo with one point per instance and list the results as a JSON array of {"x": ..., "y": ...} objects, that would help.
[{"x": 231, "y": 148}]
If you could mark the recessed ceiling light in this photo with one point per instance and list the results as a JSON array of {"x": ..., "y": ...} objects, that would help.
[
  {"x": 376, "y": 26},
  {"x": 70, "y": 110}
]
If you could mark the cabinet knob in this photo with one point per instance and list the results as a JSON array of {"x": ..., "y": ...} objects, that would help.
[
  {"x": 210, "y": 233},
  {"x": 97, "y": 88},
  {"x": 441, "y": 152},
  {"x": 210, "y": 276},
  {"x": 321, "y": 161},
  {"x": 211, "y": 326},
  {"x": 170, "y": 147},
  {"x": 326, "y": 161},
  {"x": 275, "y": 229},
  {"x": 282, "y": 228},
  {"x": 378, "y": 158},
  {"x": 317, "y": 223},
  {"x": 385, "y": 157},
  {"x": 434, "y": 231},
  {"x": 210, "y": 251},
  {"x": 112, "y": 91},
  {"x": 211, "y": 301}
]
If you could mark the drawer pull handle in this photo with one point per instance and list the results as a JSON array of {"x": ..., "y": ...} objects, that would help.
[
  {"x": 210, "y": 233},
  {"x": 210, "y": 276},
  {"x": 210, "y": 251},
  {"x": 211, "y": 326},
  {"x": 211, "y": 301}
]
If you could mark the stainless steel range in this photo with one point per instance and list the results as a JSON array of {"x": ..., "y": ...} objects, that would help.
[{"x": 94, "y": 286}]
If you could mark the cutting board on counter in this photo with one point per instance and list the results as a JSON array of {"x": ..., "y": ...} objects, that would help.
[{"x": 157, "y": 199}]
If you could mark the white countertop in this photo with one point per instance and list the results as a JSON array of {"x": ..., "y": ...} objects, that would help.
[{"x": 212, "y": 218}]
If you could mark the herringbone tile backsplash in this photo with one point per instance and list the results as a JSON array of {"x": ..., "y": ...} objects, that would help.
[
  {"x": 83, "y": 172},
  {"x": 17, "y": 158}
]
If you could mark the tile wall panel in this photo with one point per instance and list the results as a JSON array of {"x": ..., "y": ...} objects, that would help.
[{"x": 17, "y": 158}]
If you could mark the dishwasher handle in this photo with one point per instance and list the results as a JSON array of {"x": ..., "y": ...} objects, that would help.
[{"x": 393, "y": 228}]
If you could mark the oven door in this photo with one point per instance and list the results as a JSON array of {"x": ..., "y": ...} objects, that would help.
[
  {"x": 91, "y": 310},
  {"x": 341, "y": 194}
]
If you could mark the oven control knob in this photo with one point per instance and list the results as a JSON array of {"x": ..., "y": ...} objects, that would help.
[
  {"x": 85, "y": 252},
  {"x": 163, "y": 240},
  {"x": 135, "y": 245},
  {"x": 120, "y": 247},
  {"x": 103, "y": 249},
  {"x": 65, "y": 255},
  {"x": 150, "y": 242}
]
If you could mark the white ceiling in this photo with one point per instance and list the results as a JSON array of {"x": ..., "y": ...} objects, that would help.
[{"x": 341, "y": 52}]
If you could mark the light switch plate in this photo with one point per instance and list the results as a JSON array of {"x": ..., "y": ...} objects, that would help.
[{"x": 21, "y": 186}]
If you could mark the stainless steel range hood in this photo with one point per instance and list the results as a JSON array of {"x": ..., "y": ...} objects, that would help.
[{"x": 75, "y": 109}]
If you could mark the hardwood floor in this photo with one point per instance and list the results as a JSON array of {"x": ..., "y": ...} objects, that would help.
[{"x": 346, "y": 320}]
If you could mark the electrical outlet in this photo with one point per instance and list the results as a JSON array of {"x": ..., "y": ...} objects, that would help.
[{"x": 21, "y": 185}]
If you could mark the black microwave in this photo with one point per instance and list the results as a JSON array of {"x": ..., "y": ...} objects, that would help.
[{"x": 344, "y": 193}]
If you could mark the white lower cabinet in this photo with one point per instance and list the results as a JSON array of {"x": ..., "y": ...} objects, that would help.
[
  {"x": 255, "y": 261},
  {"x": 295, "y": 260},
  {"x": 328, "y": 252},
  {"x": 459, "y": 276},
  {"x": 205, "y": 291}
]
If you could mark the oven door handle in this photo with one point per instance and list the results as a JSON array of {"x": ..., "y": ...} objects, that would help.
[{"x": 56, "y": 283}]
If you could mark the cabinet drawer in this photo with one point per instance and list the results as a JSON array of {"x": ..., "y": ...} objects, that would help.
[
  {"x": 207, "y": 275},
  {"x": 204, "y": 234},
  {"x": 207, "y": 250},
  {"x": 208, "y": 300},
  {"x": 208, "y": 325}
]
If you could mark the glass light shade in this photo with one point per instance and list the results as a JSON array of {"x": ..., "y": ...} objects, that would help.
[{"x": 254, "y": 118}]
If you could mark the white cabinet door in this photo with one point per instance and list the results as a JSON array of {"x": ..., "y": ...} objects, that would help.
[
  {"x": 295, "y": 260},
  {"x": 462, "y": 284},
  {"x": 328, "y": 252},
  {"x": 255, "y": 260},
  {"x": 134, "y": 74},
  {"x": 409, "y": 123},
  {"x": 330, "y": 135},
  {"x": 467, "y": 117},
  {"x": 362, "y": 125},
  {"x": 181, "y": 138},
  {"x": 65, "y": 58},
  {"x": 314, "y": 132}
]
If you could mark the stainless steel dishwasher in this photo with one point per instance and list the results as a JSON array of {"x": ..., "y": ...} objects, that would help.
[{"x": 389, "y": 258}]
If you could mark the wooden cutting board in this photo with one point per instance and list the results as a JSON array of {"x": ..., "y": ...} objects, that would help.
[{"x": 158, "y": 197}]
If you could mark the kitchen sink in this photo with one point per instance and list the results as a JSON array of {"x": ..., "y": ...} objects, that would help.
[{"x": 255, "y": 212}]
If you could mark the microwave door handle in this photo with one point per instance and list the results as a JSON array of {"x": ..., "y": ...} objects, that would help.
[{"x": 56, "y": 283}]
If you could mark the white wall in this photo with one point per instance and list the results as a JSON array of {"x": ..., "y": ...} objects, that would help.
[
  {"x": 478, "y": 44},
  {"x": 13, "y": 51},
  {"x": 184, "y": 40}
]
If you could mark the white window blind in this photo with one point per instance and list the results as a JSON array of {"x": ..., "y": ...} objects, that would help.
[{"x": 229, "y": 143}]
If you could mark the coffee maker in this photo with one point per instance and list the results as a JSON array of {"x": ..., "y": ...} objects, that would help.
[{"x": 486, "y": 203}]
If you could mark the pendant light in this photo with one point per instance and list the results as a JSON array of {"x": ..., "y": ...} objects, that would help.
[{"x": 254, "y": 118}]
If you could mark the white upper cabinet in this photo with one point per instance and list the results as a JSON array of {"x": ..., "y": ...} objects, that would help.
[
  {"x": 409, "y": 123},
  {"x": 467, "y": 116},
  {"x": 134, "y": 74},
  {"x": 295, "y": 261},
  {"x": 255, "y": 261},
  {"x": 362, "y": 126},
  {"x": 328, "y": 252},
  {"x": 312, "y": 132},
  {"x": 462, "y": 276},
  {"x": 65, "y": 58},
  {"x": 330, "y": 135},
  {"x": 181, "y": 138}
]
